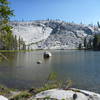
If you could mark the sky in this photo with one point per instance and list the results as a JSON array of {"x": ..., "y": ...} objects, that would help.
[{"x": 85, "y": 11}]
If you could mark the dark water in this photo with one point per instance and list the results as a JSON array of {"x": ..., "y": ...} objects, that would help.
[{"x": 22, "y": 71}]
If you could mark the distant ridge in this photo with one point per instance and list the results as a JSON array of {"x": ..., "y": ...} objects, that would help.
[{"x": 53, "y": 34}]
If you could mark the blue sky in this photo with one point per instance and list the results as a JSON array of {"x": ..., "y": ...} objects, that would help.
[{"x": 87, "y": 11}]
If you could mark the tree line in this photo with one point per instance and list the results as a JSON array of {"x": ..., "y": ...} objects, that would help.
[
  {"x": 91, "y": 44},
  {"x": 8, "y": 41}
]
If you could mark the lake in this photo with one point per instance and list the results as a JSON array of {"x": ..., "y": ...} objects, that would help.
[{"x": 22, "y": 71}]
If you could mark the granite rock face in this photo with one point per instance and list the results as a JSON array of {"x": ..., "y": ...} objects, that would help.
[
  {"x": 71, "y": 94},
  {"x": 53, "y": 34},
  {"x": 3, "y": 98}
]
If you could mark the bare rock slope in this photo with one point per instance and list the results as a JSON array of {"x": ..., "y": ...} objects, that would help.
[{"x": 53, "y": 34}]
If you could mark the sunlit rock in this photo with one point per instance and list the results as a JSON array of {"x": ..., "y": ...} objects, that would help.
[
  {"x": 71, "y": 94},
  {"x": 53, "y": 34},
  {"x": 47, "y": 54},
  {"x": 3, "y": 98}
]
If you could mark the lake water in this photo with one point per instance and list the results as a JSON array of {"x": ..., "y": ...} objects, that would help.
[{"x": 22, "y": 71}]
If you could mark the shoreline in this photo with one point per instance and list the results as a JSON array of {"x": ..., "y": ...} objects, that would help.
[
  {"x": 1, "y": 51},
  {"x": 48, "y": 94}
]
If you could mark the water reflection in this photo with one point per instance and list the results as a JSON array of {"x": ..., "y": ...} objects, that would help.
[{"x": 22, "y": 70}]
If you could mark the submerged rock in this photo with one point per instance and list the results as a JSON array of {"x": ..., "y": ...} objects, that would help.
[
  {"x": 70, "y": 94},
  {"x": 39, "y": 62},
  {"x": 47, "y": 54}
]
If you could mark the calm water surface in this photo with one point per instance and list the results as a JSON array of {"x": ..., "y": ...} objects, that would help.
[{"x": 22, "y": 71}]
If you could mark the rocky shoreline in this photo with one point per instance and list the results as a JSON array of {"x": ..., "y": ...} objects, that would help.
[
  {"x": 69, "y": 94},
  {"x": 49, "y": 94}
]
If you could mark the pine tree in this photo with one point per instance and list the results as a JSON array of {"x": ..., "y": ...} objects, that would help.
[
  {"x": 89, "y": 45},
  {"x": 15, "y": 43},
  {"x": 98, "y": 24},
  {"x": 6, "y": 36},
  {"x": 96, "y": 42},
  {"x": 19, "y": 43},
  {"x": 85, "y": 43},
  {"x": 24, "y": 46},
  {"x": 80, "y": 46}
]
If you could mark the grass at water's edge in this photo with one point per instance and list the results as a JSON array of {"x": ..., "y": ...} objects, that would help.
[
  {"x": 35, "y": 50},
  {"x": 15, "y": 51},
  {"x": 15, "y": 94},
  {"x": 21, "y": 50}
]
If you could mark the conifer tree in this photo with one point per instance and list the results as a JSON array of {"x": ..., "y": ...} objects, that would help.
[
  {"x": 98, "y": 24},
  {"x": 6, "y": 36}
]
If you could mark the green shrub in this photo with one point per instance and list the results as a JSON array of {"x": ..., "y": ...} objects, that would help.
[
  {"x": 23, "y": 95},
  {"x": 52, "y": 76},
  {"x": 4, "y": 90},
  {"x": 47, "y": 87}
]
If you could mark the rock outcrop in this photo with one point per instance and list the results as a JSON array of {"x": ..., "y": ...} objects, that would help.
[
  {"x": 3, "y": 98},
  {"x": 52, "y": 34},
  {"x": 71, "y": 94},
  {"x": 47, "y": 54}
]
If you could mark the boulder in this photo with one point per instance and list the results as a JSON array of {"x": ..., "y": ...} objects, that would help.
[
  {"x": 47, "y": 54},
  {"x": 39, "y": 62},
  {"x": 3, "y": 98},
  {"x": 70, "y": 94}
]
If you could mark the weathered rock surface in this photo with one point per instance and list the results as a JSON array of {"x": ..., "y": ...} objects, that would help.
[
  {"x": 56, "y": 94},
  {"x": 3, "y": 98},
  {"x": 47, "y": 54},
  {"x": 71, "y": 94},
  {"x": 52, "y": 34}
]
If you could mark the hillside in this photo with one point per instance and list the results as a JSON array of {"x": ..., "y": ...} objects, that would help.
[{"x": 53, "y": 34}]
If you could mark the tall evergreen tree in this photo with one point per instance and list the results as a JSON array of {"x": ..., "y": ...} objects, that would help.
[
  {"x": 85, "y": 43},
  {"x": 80, "y": 46},
  {"x": 19, "y": 43},
  {"x": 90, "y": 44},
  {"x": 98, "y": 24},
  {"x": 96, "y": 42},
  {"x": 5, "y": 30},
  {"x": 15, "y": 43}
]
